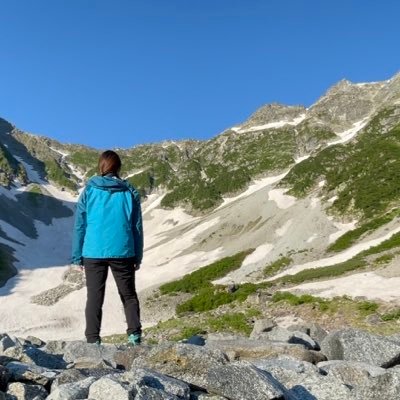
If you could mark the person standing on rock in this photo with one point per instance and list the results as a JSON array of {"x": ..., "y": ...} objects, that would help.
[{"x": 108, "y": 233}]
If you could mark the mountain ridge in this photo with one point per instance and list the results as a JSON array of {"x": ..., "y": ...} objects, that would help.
[{"x": 304, "y": 189}]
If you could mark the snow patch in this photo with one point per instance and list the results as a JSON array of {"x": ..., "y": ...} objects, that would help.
[
  {"x": 76, "y": 172},
  {"x": 59, "y": 152},
  {"x": 254, "y": 187},
  {"x": 312, "y": 238},
  {"x": 32, "y": 174},
  {"x": 257, "y": 256},
  {"x": 134, "y": 173},
  {"x": 348, "y": 134},
  {"x": 314, "y": 202},
  {"x": 281, "y": 231},
  {"x": 338, "y": 258},
  {"x": 152, "y": 202},
  {"x": 281, "y": 199},
  {"x": 300, "y": 159},
  {"x": 366, "y": 284},
  {"x": 342, "y": 229},
  {"x": 270, "y": 125}
]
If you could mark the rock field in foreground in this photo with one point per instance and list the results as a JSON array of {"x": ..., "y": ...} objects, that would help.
[{"x": 298, "y": 363}]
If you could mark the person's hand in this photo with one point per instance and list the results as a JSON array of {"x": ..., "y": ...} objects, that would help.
[{"x": 136, "y": 266}]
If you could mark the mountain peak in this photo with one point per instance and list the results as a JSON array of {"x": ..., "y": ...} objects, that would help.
[{"x": 274, "y": 112}]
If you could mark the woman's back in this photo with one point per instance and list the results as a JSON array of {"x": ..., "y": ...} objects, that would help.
[{"x": 109, "y": 214}]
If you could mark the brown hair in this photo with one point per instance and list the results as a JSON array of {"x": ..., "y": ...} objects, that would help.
[{"x": 109, "y": 163}]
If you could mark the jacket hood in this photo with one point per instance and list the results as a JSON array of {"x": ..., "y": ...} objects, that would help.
[{"x": 109, "y": 183}]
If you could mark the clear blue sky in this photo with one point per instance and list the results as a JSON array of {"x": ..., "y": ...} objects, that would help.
[{"x": 115, "y": 73}]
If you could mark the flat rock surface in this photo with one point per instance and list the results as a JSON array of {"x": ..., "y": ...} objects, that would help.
[
  {"x": 187, "y": 362},
  {"x": 243, "y": 381},
  {"x": 249, "y": 349},
  {"x": 357, "y": 345}
]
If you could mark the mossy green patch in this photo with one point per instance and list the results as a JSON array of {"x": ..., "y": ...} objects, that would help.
[
  {"x": 203, "y": 277},
  {"x": 368, "y": 307},
  {"x": 349, "y": 238},
  {"x": 277, "y": 266},
  {"x": 58, "y": 175},
  {"x": 393, "y": 315},
  {"x": 210, "y": 298},
  {"x": 363, "y": 173},
  {"x": 10, "y": 168}
]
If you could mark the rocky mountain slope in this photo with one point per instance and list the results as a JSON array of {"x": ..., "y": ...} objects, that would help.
[{"x": 309, "y": 195}]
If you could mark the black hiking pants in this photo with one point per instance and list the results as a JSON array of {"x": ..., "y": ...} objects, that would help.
[{"x": 96, "y": 271}]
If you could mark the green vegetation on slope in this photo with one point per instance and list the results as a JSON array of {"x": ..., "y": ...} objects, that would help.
[
  {"x": 357, "y": 262},
  {"x": 227, "y": 163},
  {"x": 363, "y": 173},
  {"x": 212, "y": 297},
  {"x": 10, "y": 167},
  {"x": 57, "y": 174},
  {"x": 360, "y": 309},
  {"x": 207, "y": 297},
  {"x": 203, "y": 277},
  {"x": 349, "y": 238},
  {"x": 277, "y": 266}
]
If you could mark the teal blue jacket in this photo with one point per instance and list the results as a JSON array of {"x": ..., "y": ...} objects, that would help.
[{"x": 108, "y": 221}]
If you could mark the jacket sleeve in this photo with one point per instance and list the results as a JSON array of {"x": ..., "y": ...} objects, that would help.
[
  {"x": 137, "y": 227},
  {"x": 79, "y": 230}
]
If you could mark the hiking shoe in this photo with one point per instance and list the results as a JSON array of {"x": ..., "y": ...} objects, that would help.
[
  {"x": 134, "y": 339},
  {"x": 97, "y": 342}
]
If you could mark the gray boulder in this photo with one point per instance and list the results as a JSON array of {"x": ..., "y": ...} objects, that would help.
[
  {"x": 319, "y": 388},
  {"x": 149, "y": 393},
  {"x": 43, "y": 359},
  {"x": 30, "y": 373},
  {"x": 261, "y": 326},
  {"x": 110, "y": 387},
  {"x": 75, "y": 375},
  {"x": 146, "y": 377},
  {"x": 78, "y": 349},
  {"x": 72, "y": 391},
  {"x": 68, "y": 376},
  {"x": 186, "y": 362},
  {"x": 381, "y": 387},
  {"x": 32, "y": 355},
  {"x": 90, "y": 363},
  {"x": 22, "y": 391},
  {"x": 205, "y": 396},
  {"x": 356, "y": 345},
  {"x": 55, "y": 347},
  {"x": 213, "y": 336},
  {"x": 5, "y": 376},
  {"x": 5, "y": 342},
  {"x": 296, "y": 366},
  {"x": 304, "y": 380},
  {"x": 243, "y": 381},
  {"x": 315, "y": 331},
  {"x": 351, "y": 373},
  {"x": 123, "y": 358},
  {"x": 279, "y": 334},
  {"x": 34, "y": 341},
  {"x": 252, "y": 349}
]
